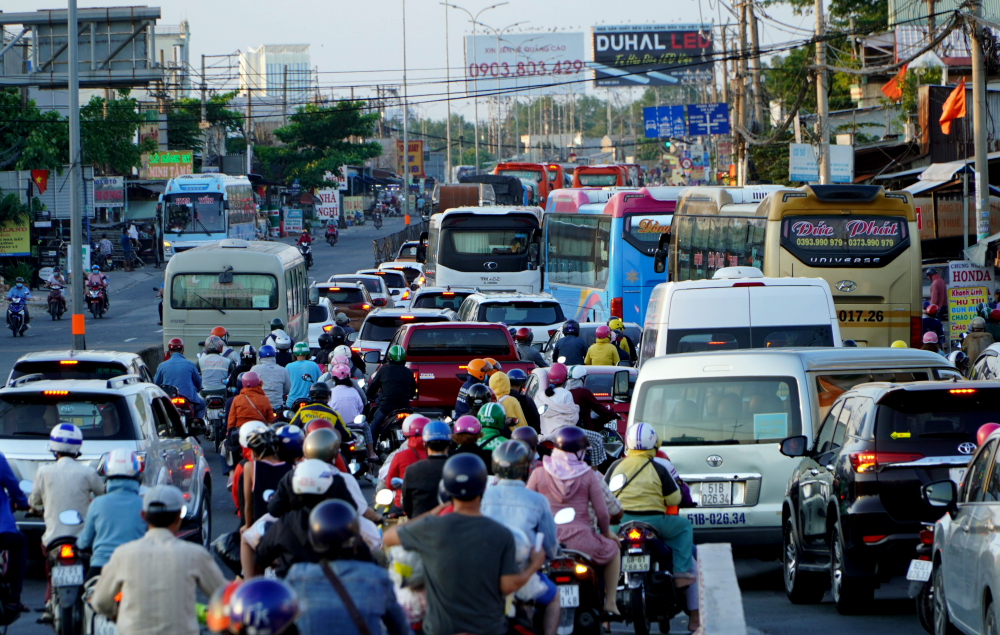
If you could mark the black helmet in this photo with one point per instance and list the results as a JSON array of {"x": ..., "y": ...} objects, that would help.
[
  {"x": 263, "y": 442},
  {"x": 850, "y": 344},
  {"x": 526, "y": 435},
  {"x": 248, "y": 354},
  {"x": 319, "y": 392},
  {"x": 478, "y": 396},
  {"x": 333, "y": 524},
  {"x": 276, "y": 324},
  {"x": 511, "y": 460},
  {"x": 326, "y": 341},
  {"x": 571, "y": 327},
  {"x": 464, "y": 477},
  {"x": 338, "y": 336}
]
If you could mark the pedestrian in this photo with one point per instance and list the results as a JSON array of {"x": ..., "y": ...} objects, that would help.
[
  {"x": 126, "y": 250},
  {"x": 939, "y": 291},
  {"x": 105, "y": 249}
]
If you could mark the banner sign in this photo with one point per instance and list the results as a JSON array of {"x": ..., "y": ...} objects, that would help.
[
  {"x": 416, "y": 158},
  {"x": 109, "y": 191},
  {"x": 329, "y": 205},
  {"x": 15, "y": 240},
  {"x": 707, "y": 119},
  {"x": 663, "y": 121},
  {"x": 803, "y": 166},
  {"x": 962, "y": 303},
  {"x": 652, "y": 54},
  {"x": 166, "y": 164},
  {"x": 552, "y": 63},
  {"x": 293, "y": 221}
]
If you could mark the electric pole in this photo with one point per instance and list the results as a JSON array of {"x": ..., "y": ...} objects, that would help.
[
  {"x": 75, "y": 181},
  {"x": 758, "y": 94},
  {"x": 406, "y": 130},
  {"x": 979, "y": 124},
  {"x": 742, "y": 88},
  {"x": 284, "y": 95},
  {"x": 447, "y": 84},
  {"x": 249, "y": 133},
  {"x": 822, "y": 107}
]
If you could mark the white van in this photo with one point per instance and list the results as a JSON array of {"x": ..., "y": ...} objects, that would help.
[
  {"x": 721, "y": 418},
  {"x": 738, "y": 308}
]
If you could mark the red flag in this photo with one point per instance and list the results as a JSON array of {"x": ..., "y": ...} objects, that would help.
[
  {"x": 41, "y": 180},
  {"x": 892, "y": 88},
  {"x": 954, "y": 107}
]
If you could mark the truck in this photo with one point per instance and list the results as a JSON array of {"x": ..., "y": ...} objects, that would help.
[{"x": 446, "y": 197}]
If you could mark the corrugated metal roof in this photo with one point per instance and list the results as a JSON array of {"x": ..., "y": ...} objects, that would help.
[{"x": 907, "y": 11}]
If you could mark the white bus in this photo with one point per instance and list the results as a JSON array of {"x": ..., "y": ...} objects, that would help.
[
  {"x": 197, "y": 209},
  {"x": 493, "y": 248}
]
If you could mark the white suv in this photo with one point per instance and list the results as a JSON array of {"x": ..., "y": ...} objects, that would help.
[
  {"x": 69, "y": 364},
  {"x": 540, "y": 312}
]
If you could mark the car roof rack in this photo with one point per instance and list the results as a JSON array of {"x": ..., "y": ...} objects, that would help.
[{"x": 122, "y": 380}]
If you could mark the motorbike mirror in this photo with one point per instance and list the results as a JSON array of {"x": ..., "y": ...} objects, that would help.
[
  {"x": 617, "y": 482},
  {"x": 361, "y": 383},
  {"x": 268, "y": 493},
  {"x": 396, "y": 482},
  {"x": 562, "y": 359},
  {"x": 565, "y": 516},
  {"x": 352, "y": 337},
  {"x": 102, "y": 464},
  {"x": 184, "y": 511},
  {"x": 313, "y": 295},
  {"x": 384, "y": 497},
  {"x": 542, "y": 409},
  {"x": 70, "y": 518},
  {"x": 26, "y": 486},
  {"x": 262, "y": 526},
  {"x": 371, "y": 357},
  {"x": 359, "y": 419}
]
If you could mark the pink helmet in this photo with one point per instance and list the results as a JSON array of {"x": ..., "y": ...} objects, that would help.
[
  {"x": 557, "y": 374},
  {"x": 467, "y": 424},
  {"x": 340, "y": 359},
  {"x": 413, "y": 426},
  {"x": 340, "y": 371},
  {"x": 602, "y": 332},
  {"x": 930, "y": 337},
  {"x": 984, "y": 432},
  {"x": 251, "y": 379}
]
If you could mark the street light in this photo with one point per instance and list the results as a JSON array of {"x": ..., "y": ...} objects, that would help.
[
  {"x": 475, "y": 97},
  {"x": 498, "y": 33}
]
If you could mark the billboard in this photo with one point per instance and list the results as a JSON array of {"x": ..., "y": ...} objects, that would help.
[
  {"x": 109, "y": 191},
  {"x": 553, "y": 63},
  {"x": 651, "y": 54},
  {"x": 166, "y": 164},
  {"x": 416, "y": 158},
  {"x": 803, "y": 164}
]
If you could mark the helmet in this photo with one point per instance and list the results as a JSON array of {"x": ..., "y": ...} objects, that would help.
[
  {"x": 283, "y": 342},
  {"x": 317, "y": 424},
  {"x": 958, "y": 358},
  {"x": 977, "y": 324},
  {"x": 467, "y": 424},
  {"x": 616, "y": 324},
  {"x": 325, "y": 341},
  {"x": 478, "y": 395},
  {"x": 341, "y": 318},
  {"x": 319, "y": 392},
  {"x": 492, "y": 415},
  {"x": 214, "y": 344},
  {"x": 464, "y": 477},
  {"x": 478, "y": 368},
  {"x": 340, "y": 359},
  {"x": 290, "y": 439},
  {"x": 512, "y": 460},
  {"x": 122, "y": 463},
  {"x": 413, "y": 425},
  {"x": 396, "y": 354},
  {"x": 898, "y": 344},
  {"x": 250, "y": 379},
  {"x": 984, "y": 432},
  {"x": 322, "y": 444},
  {"x": 262, "y": 606},
  {"x": 513, "y": 332},
  {"x": 175, "y": 344},
  {"x": 525, "y": 336},
  {"x": 526, "y": 435},
  {"x": 266, "y": 351},
  {"x": 94, "y": 268},
  {"x": 276, "y": 324},
  {"x": 443, "y": 496},
  {"x": 312, "y": 476},
  {"x": 217, "y": 611},
  {"x": 516, "y": 377},
  {"x": 849, "y": 344},
  {"x": 495, "y": 366},
  {"x": 995, "y": 315},
  {"x": 332, "y": 524},
  {"x": 300, "y": 348},
  {"x": 571, "y": 439},
  {"x": 436, "y": 431},
  {"x": 577, "y": 372},
  {"x": 930, "y": 337},
  {"x": 340, "y": 371},
  {"x": 640, "y": 436},
  {"x": 248, "y": 353},
  {"x": 66, "y": 438},
  {"x": 221, "y": 333},
  {"x": 571, "y": 327},
  {"x": 932, "y": 309},
  {"x": 343, "y": 350},
  {"x": 262, "y": 442},
  {"x": 338, "y": 335},
  {"x": 249, "y": 428},
  {"x": 602, "y": 332},
  {"x": 558, "y": 374}
]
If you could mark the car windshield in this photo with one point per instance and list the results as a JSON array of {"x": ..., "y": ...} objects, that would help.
[
  {"x": 830, "y": 386},
  {"x": 393, "y": 279},
  {"x": 373, "y": 286},
  {"x": 522, "y": 313},
  {"x": 410, "y": 273},
  {"x": 381, "y": 329},
  {"x": 443, "y": 300},
  {"x": 204, "y": 291},
  {"x": 722, "y": 339},
  {"x": 342, "y": 295},
  {"x": 318, "y": 314},
  {"x": 33, "y": 415},
  {"x": 953, "y": 414},
  {"x": 602, "y": 384},
  {"x": 458, "y": 342},
  {"x": 733, "y": 410},
  {"x": 69, "y": 369}
]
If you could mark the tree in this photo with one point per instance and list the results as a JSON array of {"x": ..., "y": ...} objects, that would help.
[
  {"x": 107, "y": 130},
  {"x": 29, "y": 138},
  {"x": 183, "y": 120}
]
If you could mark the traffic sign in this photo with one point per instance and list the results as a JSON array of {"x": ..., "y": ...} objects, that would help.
[
  {"x": 707, "y": 119},
  {"x": 686, "y": 164},
  {"x": 663, "y": 121}
]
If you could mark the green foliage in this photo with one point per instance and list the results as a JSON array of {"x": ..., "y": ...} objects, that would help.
[
  {"x": 18, "y": 269},
  {"x": 107, "y": 129},
  {"x": 869, "y": 16},
  {"x": 770, "y": 163},
  {"x": 183, "y": 120},
  {"x": 29, "y": 138}
]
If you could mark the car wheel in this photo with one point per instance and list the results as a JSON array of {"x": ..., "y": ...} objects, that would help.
[
  {"x": 990, "y": 621},
  {"x": 801, "y": 587},
  {"x": 204, "y": 522},
  {"x": 942, "y": 621},
  {"x": 851, "y": 595}
]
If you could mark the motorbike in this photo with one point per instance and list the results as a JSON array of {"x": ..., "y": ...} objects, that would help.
[
  {"x": 215, "y": 404},
  {"x": 8, "y": 612},
  {"x": 57, "y": 305},
  {"x": 95, "y": 300},
  {"x": 358, "y": 448},
  {"x": 332, "y": 233},
  {"x": 17, "y": 319},
  {"x": 578, "y": 584},
  {"x": 649, "y": 594},
  {"x": 94, "y": 623},
  {"x": 359, "y": 218},
  {"x": 919, "y": 575},
  {"x": 66, "y": 568},
  {"x": 377, "y": 218},
  {"x": 185, "y": 409},
  {"x": 390, "y": 437},
  {"x": 306, "y": 250}
]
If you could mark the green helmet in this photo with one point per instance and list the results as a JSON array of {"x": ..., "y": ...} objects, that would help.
[
  {"x": 396, "y": 354},
  {"x": 301, "y": 348},
  {"x": 492, "y": 415}
]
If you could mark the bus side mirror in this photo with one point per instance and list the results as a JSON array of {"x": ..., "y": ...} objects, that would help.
[
  {"x": 620, "y": 390},
  {"x": 313, "y": 295},
  {"x": 533, "y": 255},
  {"x": 421, "y": 253},
  {"x": 660, "y": 255}
]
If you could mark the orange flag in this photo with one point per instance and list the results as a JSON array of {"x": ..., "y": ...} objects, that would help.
[
  {"x": 892, "y": 89},
  {"x": 954, "y": 107},
  {"x": 41, "y": 179}
]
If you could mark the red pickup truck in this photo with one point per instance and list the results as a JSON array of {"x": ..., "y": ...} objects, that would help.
[{"x": 439, "y": 353}]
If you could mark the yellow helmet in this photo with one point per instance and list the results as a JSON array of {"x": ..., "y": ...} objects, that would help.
[
  {"x": 899, "y": 344},
  {"x": 615, "y": 324}
]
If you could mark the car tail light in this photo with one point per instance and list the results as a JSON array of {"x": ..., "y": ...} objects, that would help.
[
  {"x": 357, "y": 349},
  {"x": 68, "y": 362},
  {"x": 926, "y": 536},
  {"x": 616, "y": 307},
  {"x": 327, "y": 328},
  {"x": 118, "y": 597},
  {"x": 55, "y": 393},
  {"x": 871, "y": 539},
  {"x": 748, "y": 284},
  {"x": 863, "y": 462},
  {"x": 916, "y": 332},
  {"x": 406, "y": 317},
  {"x": 448, "y": 293},
  {"x": 552, "y": 332},
  {"x": 333, "y": 288},
  {"x": 406, "y": 294},
  {"x": 420, "y": 280}
]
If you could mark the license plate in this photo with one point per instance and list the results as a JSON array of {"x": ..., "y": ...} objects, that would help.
[
  {"x": 103, "y": 626},
  {"x": 399, "y": 435},
  {"x": 67, "y": 576},
  {"x": 717, "y": 493},
  {"x": 635, "y": 563},
  {"x": 957, "y": 474},
  {"x": 920, "y": 570},
  {"x": 569, "y": 596}
]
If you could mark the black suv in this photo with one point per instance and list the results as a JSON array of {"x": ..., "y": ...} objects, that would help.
[{"x": 853, "y": 507}]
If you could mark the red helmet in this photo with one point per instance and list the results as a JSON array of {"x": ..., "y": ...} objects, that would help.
[
  {"x": 413, "y": 425},
  {"x": 523, "y": 334},
  {"x": 317, "y": 424},
  {"x": 176, "y": 344},
  {"x": 932, "y": 309},
  {"x": 222, "y": 333},
  {"x": 984, "y": 432},
  {"x": 602, "y": 332},
  {"x": 557, "y": 374},
  {"x": 250, "y": 379},
  {"x": 995, "y": 315}
]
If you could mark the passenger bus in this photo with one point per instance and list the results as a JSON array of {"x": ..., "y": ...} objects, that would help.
[
  {"x": 859, "y": 238},
  {"x": 239, "y": 284},
  {"x": 198, "y": 209},
  {"x": 600, "y": 176},
  {"x": 493, "y": 248},
  {"x": 535, "y": 172}
]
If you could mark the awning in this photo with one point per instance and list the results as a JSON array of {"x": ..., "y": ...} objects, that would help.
[
  {"x": 944, "y": 171},
  {"x": 976, "y": 254},
  {"x": 921, "y": 187}
]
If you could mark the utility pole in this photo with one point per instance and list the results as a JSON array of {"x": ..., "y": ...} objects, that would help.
[
  {"x": 822, "y": 107},
  {"x": 725, "y": 69},
  {"x": 979, "y": 124},
  {"x": 447, "y": 101},
  {"x": 284, "y": 95},
  {"x": 249, "y": 127},
  {"x": 204, "y": 113},
  {"x": 75, "y": 182},
  {"x": 758, "y": 94},
  {"x": 406, "y": 129},
  {"x": 741, "y": 80}
]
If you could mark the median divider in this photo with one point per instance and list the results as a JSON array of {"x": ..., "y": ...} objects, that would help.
[{"x": 719, "y": 592}]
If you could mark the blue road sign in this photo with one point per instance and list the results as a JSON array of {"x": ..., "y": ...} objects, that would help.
[
  {"x": 663, "y": 121},
  {"x": 706, "y": 119}
]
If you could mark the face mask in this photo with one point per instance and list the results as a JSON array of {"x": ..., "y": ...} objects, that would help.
[{"x": 19, "y": 285}]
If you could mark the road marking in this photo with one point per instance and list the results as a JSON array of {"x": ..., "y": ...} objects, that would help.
[
  {"x": 131, "y": 339},
  {"x": 160, "y": 331}
]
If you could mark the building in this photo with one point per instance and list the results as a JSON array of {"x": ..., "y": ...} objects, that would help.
[{"x": 262, "y": 69}]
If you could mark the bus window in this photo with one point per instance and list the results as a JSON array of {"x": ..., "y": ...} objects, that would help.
[
  {"x": 578, "y": 250},
  {"x": 590, "y": 179},
  {"x": 643, "y": 231},
  {"x": 203, "y": 291}
]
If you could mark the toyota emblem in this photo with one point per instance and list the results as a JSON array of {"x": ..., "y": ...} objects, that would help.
[
  {"x": 714, "y": 460},
  {"x": 966, "y": 448},
  {"x": 846, "y": 286},
  {"x": 490, "y": 265}
]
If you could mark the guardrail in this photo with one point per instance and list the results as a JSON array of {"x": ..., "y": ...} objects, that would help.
[
  {"x": 718, "y": 592},
  {"x": 387, "y": 248}
]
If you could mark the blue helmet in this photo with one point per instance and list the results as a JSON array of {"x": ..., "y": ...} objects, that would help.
[
  {"x": 333, "y": 524},
  {"x": 262, "y": 606},
  {"x": 265, "y": 351},
  {"x": 517, "y": 377},
  {"x": 571, "y": 327},
  {"x": 436, "y": 431},
  {"x": 290, "y": 440}
]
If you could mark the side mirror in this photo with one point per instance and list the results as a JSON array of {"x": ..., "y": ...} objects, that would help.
[
  {"x": 414, "y": 287},
  {"x": 620, "y": 389},
  {"x": 268, "y": 493},
  {"x": 533, "y": 253},
  {"x": 660, "y": 255},
  {"x": 359, "y": 419},
  {"x": 941, "y": 494},
  {"x": 313, "y": 295},
  {"x": 70, "y": 518},
  {"x": 617, "y": 482},
  {"x": 102, "y": 464},
  {"x": 372, "y": 357},
  {"x": 794, "y": 446},
  {"x": 384, "y": 497},
  {"x": 378, "y": 302},
  {"x": 352, "y": 337}
]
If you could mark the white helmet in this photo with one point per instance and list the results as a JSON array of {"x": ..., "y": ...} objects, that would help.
[
  {"x": 66, "y": 438},
  {"x": 640, "y": 436},
  {"x": 250, "y": 428},
  {"x": 341, "y": 318},
  {"x": 312, "y": 476},
  {"x": 343, "y": 350},
  {"x": 122, "y": 463},
  {"x": 281, "y": 341},
  {"x": 578, "y": 372}
]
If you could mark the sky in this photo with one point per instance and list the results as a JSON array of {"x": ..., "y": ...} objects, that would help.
[{"x": 360, "y": 44}]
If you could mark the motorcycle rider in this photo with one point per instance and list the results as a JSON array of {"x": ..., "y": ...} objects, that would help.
[
  {"x": 116, "y": 517},
  {"x": 156, "y": 577},
  {"x": 246, "y": 359},
  {"x": 98, "y": 279},
  {"x": 11, "y": 539},
  {"x": 412, "y": 429},
  {"x": 493, "y": 419},
  {"x": 422, "y": 478},
  {"x": 182, "y": 374},
  {"x": 215, "y": 368},
  {"x": 455, "y": 560},
  {"x": 570, "y": 345},
  {"x": 528, "y": 437},
  {"x": 339, "y": 337},
  {"x": 476, "y": 374},
  {"x": 344, "y": 399},
  {"x": 227, "y": 351},
  {"x": 593, "y": 414},
  {"x": 271, "y": 338},
  {"x": 251, "y": 404},
  {"x": 283, "y": 350},
  {"x": 56, "y": 282},
  {"x": 394, "y": 386},
  {"x": 518, "y": 378},
  {"x": 977, "y": 341},
  {"x": 624, "y": 344},
  {"x": 303, "y": 373},
  {"x": 524, "y": 337},
  {"x": 468, "y": 431},
  {"x": 19, "y": 290},
  {"x": 560, "y": 409},
  {"x": 325, "y": 353},
  {"x": 478, "y": 396},
  {"x": 305, "y": 238},
  {"x": 264, "y": 474},
  {"x": 602, "y": 352},
  {"x": 317, "y": 408},
  {"x": 511, "y": 503},
  {"x": 274, "y": 378},
  {"x": 344, "y": 322},
  {"x": 500, "y": 385}
]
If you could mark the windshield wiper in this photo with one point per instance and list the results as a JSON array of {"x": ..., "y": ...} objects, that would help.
[
  {"x": 209, "y": 304},
  {"x": 207, "y": 233}
]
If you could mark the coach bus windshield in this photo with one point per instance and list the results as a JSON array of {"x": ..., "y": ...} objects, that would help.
[{"x": 193, "y": 213}]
